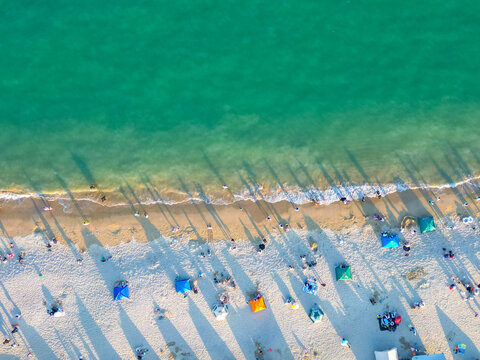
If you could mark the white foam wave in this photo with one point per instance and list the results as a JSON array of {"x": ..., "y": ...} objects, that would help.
[{"x": 291, "y": 194}]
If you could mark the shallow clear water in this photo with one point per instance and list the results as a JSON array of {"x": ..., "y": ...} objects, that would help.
[{"x": 292, "y": 92}]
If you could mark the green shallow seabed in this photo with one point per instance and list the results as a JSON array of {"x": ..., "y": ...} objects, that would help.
[{"x": 209, "y": 92}]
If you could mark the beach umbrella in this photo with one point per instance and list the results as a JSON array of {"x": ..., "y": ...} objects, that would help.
[
  {"x": 257, "y": 304},
  {"x": 426, "y": 224},
  {"x": 316, "y": 314},
  {"x": 343, "y": 273},
  {"x": 182, "y": 286},
  {"x": 220, "y": 312},
  {"x": 389, "y": 241},
  {"x": 121, "y": 291}
]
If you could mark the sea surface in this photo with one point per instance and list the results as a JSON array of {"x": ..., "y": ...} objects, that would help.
[{"x": 185, "y": 96}]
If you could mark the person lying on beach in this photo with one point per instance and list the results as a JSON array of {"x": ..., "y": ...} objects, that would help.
[{"x": 345, "y": 343}]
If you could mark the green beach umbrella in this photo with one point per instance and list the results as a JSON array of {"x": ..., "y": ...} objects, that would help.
[
  {"x": 343, "y": 273},
  {"x": 426, "y": 224},
  {"x": 316, "y": 314}
]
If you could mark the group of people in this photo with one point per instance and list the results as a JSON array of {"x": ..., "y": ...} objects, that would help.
[
  {"x": 389, "y": 321},
  {"x": 448, "y": 254},
  {"x": 10, "y": 255}
]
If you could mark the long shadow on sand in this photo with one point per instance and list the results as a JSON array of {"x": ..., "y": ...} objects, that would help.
[
  {"x": 354, "y": 298},
  {"x": 111, "y": 273},
  {"x": 247, "y": 326},
  {"x": 38, "y": 345},
  {"x": 174, "y": 340},
  {"x": 453, "y": 334},
  {"x": 68, "y": 241},
  {"x": 102, "y": 346},
  {"x": 212, "y": 341},
  {"x": 133, "y": 335}
]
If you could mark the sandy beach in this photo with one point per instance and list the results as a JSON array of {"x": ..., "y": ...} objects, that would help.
[{"x": 147, "y": 253}]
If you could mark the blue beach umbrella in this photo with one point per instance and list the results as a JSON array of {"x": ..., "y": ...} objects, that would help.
[
  {"x": 389, "y": 241},
  {"x": 182, "y": 286},
  {"x": 120, "y": 291}
]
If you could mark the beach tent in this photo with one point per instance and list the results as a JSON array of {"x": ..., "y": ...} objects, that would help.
[
  {"x": 387, "y": 354},
  {"x": 343, "y": 272},
  {"x": 316, "y": 314},
  {"x": 389, "y": 241},
  {"x": 120, "y": 291},
  {"x": 257, "y": 304},
  {"x": 182, "y": 286},
  {"x": 220, "y": 312},
  {"x": 430, "y": 357},
  {"x": 310, "y": 287},
  {"x": 426, "y": 224}
]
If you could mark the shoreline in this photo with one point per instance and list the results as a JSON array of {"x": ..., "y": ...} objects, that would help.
[
  {"x": 148, "y": 194},
  {"x": 243, "y": 219}
]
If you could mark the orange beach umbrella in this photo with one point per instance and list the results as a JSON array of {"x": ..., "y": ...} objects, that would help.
[{"x": 257, "y": 304}]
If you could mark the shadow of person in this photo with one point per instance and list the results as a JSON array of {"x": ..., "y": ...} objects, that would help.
[{"x": 454, "y": 335}]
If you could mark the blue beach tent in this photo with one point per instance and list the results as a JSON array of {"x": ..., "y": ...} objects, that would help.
[
  {"x": 120, "y": 291},
  {"x": 182, "y": 286},
  {"x": 389, "y": 241}
]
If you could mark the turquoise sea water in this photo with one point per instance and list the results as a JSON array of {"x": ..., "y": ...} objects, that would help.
[{"x": 294, "y": 92}]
